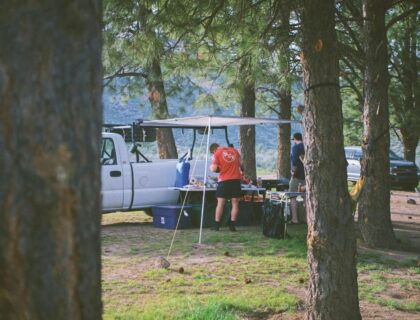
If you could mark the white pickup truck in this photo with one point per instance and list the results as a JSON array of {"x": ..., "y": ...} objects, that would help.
[{"x": 131, "y": 185}]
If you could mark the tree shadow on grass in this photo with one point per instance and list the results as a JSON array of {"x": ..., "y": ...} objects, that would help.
[{"x": 127, "y": 224}]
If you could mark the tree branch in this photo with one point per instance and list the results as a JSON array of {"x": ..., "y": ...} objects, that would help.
[
  {"x": 350, "y": 32},
  {"x": 403, "y": 15},
  {"x": 207, "y": 21},
  {"x": 273, "y": 91},
  {"x": 127, "y": 74},
  {"x": 121, "y": 74},
  {"x": 398, "y": 75},
  {"x": 353, "y": 55},
  {"x": 355, "y": 11}
]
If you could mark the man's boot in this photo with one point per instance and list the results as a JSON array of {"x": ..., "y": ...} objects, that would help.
[
  {"x": 216, "y": 226},
  {"x": 232, "y": 226}
]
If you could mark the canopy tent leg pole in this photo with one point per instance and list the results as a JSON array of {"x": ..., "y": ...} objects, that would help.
[{"x": 205, "y": 182}]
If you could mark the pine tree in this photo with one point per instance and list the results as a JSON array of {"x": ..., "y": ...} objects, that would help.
[
  {"x": 50, "y": 127},
  {"x": 332, "y": 292}
]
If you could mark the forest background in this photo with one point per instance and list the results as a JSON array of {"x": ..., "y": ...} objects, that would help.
[{"x": 205, "y": 66}]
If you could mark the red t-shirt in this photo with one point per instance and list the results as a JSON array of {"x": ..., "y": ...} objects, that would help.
[{"x": 228, "y": 160}]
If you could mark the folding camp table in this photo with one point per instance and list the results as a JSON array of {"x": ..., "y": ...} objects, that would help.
[{"x": 192, "y": 195}]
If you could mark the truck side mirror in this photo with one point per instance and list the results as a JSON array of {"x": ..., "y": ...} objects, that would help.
[{"x": 134, "y": 148}]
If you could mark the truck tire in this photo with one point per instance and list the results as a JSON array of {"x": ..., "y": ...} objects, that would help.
[{"x": 409, "y": 187}]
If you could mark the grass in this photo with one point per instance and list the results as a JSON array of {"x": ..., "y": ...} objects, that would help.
[
  {"x": 232, "y": 276},
  {"x": 389, "y": 282}
]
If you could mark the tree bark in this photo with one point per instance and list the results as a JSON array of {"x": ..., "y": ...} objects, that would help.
[
  {"x": 285, "y": 100},
  {"x": 410, "y": 141},
  {"x": 409, "y": 106},
  {"x": 374, "y": 203},
  {"x": 156, "y": 88},
  {"x": 157, "y": 98},
  {"x": 283, "y": 158},
  {"x": 247, "y": 133},
  {"x": 332, "y": 292},
  {"x": 50, "y": 129}
]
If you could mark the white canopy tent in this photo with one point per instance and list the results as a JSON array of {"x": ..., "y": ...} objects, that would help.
[{"x": 211, "y": 121}]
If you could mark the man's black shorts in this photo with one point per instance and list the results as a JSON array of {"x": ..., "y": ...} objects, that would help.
[{"x": 229, "y": 189}]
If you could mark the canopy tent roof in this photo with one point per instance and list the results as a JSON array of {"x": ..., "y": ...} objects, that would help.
[
  {"x": 197, "y": 122},
  {"x": 212, "y": 120}
]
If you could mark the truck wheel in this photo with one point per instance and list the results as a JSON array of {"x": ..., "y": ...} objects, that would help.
[{"x": 409, "y": 187}]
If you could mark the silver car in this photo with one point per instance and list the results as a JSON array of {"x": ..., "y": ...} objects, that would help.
[{"x": 403, "y": 174}]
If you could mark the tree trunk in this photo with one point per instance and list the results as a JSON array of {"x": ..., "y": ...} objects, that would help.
[
  {"x": 156, "y": 88},
  {"x": 247, "y": 133},
  {"x": 408, "y": 106},
  {"x": 332, "y": 292},
  {"x": 157, "y": 98},
  {"x": 374, "y": 203},
  {"x": 285, "y": 100},
  {"x": 50, "y": 128},
  {"x": 410, "y": 142},
  {"x": 283, "y": 159}
]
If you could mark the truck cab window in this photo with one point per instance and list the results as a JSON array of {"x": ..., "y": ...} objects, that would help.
[{"x": 108, "y": 154}]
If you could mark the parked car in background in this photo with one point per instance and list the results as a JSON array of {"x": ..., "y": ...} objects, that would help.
[{"x": 403, "y": 174}]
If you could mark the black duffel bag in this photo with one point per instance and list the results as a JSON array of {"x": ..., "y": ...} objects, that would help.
[{"x": 273, "y": 223}]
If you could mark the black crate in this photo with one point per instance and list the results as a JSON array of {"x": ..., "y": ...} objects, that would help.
[
  {"x": 273, "y": 219},
  {"x": 277, "y": 184}
]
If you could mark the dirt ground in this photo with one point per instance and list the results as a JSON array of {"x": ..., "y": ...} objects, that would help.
[
  {"x": 406, "y": 217},
  {"x": 406, "y": 221}
]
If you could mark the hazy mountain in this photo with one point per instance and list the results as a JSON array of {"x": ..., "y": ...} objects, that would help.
[{"x": 121, "y": 110}]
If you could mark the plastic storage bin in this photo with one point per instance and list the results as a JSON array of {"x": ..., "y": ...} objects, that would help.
[{"x": 166, "y": 216}]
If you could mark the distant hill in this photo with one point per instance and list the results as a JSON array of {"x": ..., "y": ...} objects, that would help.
[{"x": 118, "y": 109}]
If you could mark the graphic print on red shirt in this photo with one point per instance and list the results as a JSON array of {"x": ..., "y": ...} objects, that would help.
[{"x": 228, "y": 160}]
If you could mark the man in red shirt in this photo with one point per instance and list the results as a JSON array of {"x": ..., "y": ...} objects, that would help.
[{"x": 227, "y": 161}]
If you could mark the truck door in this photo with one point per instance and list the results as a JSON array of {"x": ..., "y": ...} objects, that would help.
[
  {"x": 353, "y": 165},
  {"x": 111, "y": 177}
]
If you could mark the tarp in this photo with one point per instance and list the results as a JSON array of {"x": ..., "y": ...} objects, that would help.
[{"x": 213, "y": 121}]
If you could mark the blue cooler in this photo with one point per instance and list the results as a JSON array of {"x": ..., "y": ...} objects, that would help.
[
  {"x": 166, "y": 216},
  {"x": 182, "y": 172}
]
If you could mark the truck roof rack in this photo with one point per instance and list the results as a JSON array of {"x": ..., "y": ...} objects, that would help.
[{"x": 145, "y": 131}]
